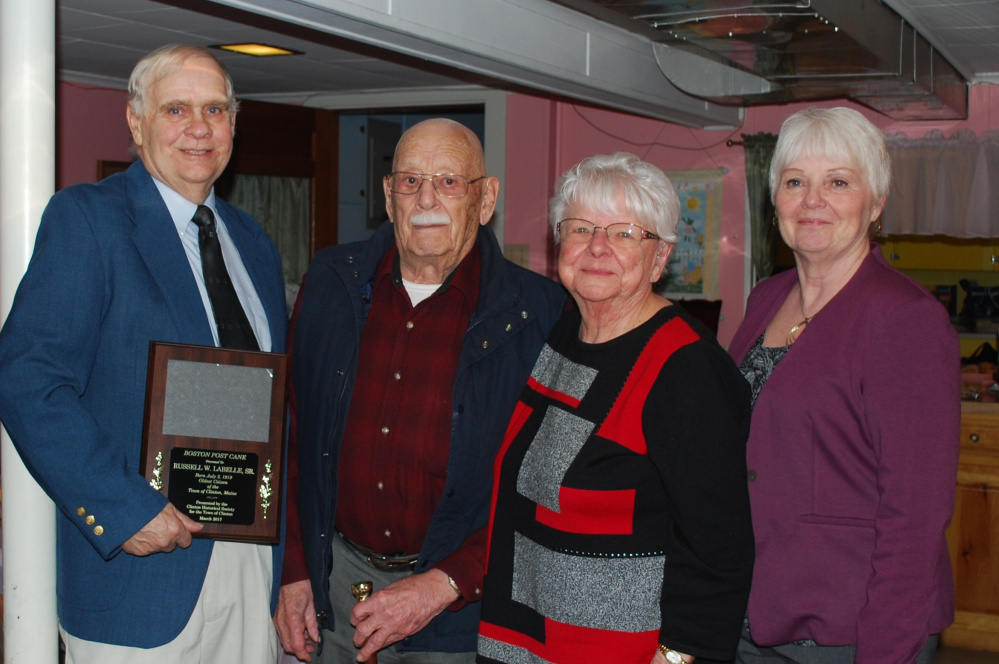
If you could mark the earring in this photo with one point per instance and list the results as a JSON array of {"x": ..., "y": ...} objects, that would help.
[
  {"x": 876, "y": 229},
  {"x": 773, "y": 220}
]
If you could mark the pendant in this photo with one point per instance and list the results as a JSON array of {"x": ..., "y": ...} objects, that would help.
[{"x": 792, "y": 334}]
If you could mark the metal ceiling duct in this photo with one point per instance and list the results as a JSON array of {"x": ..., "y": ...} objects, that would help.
[{"x": 753, "y": 52}]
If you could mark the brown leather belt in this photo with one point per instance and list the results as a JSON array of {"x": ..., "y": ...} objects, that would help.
[{"x": 380, "y": 561}]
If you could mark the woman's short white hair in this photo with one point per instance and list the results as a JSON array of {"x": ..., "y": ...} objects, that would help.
[
  {"x": 837, "y": 134},
  {"x": 595, "y": 182},
  {"x": 167, "y": 60}
]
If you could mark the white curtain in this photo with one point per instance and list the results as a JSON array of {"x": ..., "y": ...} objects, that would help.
[
  {"x": 983, "y": 210},
  {"x": 944, "y": 186},
  {"x": 283, "y": 207}
]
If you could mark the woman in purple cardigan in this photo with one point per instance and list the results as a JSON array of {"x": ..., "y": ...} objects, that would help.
[{"x": 853, "y": 449}]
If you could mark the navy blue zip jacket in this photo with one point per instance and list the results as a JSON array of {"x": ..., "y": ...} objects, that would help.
[{"x": 515, "y": 311}]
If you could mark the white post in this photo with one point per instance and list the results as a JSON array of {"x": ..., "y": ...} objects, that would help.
[{"x": 27, "y": 180}]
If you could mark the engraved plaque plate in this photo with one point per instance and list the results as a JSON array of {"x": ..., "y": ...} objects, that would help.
[{"x": 213, "y": 439}]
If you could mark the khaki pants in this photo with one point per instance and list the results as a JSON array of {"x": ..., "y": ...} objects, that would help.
[{"x": 231, "y": 623}]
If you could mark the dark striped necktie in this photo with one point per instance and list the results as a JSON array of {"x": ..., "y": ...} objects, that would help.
[{"x": 233, "y": 326}]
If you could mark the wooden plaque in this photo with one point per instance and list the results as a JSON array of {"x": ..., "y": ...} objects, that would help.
[{"x": 213, "y": 437}]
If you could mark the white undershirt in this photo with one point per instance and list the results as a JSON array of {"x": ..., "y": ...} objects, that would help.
[{"x": 419, "y": 292}]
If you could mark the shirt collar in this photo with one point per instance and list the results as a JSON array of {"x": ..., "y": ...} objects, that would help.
[
  {"x": 182, "y": 210},
  {"x": 464, "y": 278}
]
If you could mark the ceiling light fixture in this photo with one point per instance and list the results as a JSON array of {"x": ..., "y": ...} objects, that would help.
[{"x": 257, "y": 50}]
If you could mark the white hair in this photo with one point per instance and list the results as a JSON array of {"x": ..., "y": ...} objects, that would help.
[
  {"x": 596, "y": 182},
  {"x": 839, "y": 133},
  {"x": 165, "y": 61}
]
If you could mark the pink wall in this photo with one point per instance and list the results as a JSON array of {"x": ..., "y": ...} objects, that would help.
[
  {"x": 545, "y": 138},
  {"x": 90, "y": 127}
]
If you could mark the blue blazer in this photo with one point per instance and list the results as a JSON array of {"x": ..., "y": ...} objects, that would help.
[{"x": 108, "y": 275}]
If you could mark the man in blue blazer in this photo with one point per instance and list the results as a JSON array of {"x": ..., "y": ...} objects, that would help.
[{"x": 116, "y": 265}]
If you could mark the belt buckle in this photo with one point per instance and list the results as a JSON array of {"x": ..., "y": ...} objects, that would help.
[
  {"x": 388, "y": 563},
  {"x": 380, "y": 561}
]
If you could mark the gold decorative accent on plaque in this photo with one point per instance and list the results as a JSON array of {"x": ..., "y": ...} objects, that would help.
[
  {"x": 265, "y": 488},
  {"x": 157, "y": 481}
]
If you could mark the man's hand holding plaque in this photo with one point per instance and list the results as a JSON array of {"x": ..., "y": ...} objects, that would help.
[{"x": 168, "y": 530}]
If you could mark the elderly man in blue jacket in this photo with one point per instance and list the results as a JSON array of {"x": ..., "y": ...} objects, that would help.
[
  {"x": 410, "y": 350},
  {"x": 116, "y": 265}
]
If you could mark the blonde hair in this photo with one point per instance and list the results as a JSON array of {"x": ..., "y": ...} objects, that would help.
[{"x": 165, "y": 61}]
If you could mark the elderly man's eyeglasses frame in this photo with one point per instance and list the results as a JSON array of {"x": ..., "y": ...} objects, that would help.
[
  {"x": 581, "y": 231},
  {"x": 447, "y": 185}
]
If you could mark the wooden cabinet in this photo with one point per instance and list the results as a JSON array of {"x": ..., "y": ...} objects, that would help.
[
  {"x": 973, "y": 536},
  {"x": 915, "y": 252}
]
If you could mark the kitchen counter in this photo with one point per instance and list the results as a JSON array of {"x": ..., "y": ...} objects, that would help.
[{"x": 989, "y": 406}]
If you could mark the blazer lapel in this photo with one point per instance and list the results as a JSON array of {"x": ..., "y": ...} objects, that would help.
[
  {"x": 156, "y": 240},
  {"x": 258, "y": 263}
]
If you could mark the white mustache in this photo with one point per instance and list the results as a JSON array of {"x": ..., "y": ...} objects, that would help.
[{"x": 430, "y": 219}]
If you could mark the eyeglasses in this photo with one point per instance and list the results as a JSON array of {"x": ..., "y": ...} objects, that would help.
[
  {"x": 448, "y": 185},
  {"x": 581, "y": 231}
]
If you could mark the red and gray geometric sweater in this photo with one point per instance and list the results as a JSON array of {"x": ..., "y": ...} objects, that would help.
[{"x": 620, "y": 514}]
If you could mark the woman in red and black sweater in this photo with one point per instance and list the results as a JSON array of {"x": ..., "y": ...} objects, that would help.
[{"x": 620, "y": 529}]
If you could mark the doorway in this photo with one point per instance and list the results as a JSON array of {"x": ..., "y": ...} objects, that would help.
[{"x": 367, "y": 145}]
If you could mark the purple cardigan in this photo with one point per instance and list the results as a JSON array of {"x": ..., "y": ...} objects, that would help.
[{"x": 852, "y": 462}]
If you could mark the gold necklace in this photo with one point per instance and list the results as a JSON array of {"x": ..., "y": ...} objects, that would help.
[{"x": 795, "y": 332}]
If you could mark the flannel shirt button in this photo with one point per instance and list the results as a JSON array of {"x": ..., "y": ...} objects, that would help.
[
  {"x": 523, "y": 314},
  {"x": 485, "y": 344}
]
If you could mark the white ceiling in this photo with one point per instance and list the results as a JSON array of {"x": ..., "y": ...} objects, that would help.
[
  {"x": 966, "y": 32},
  {"x": 100, "y": 41}
]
